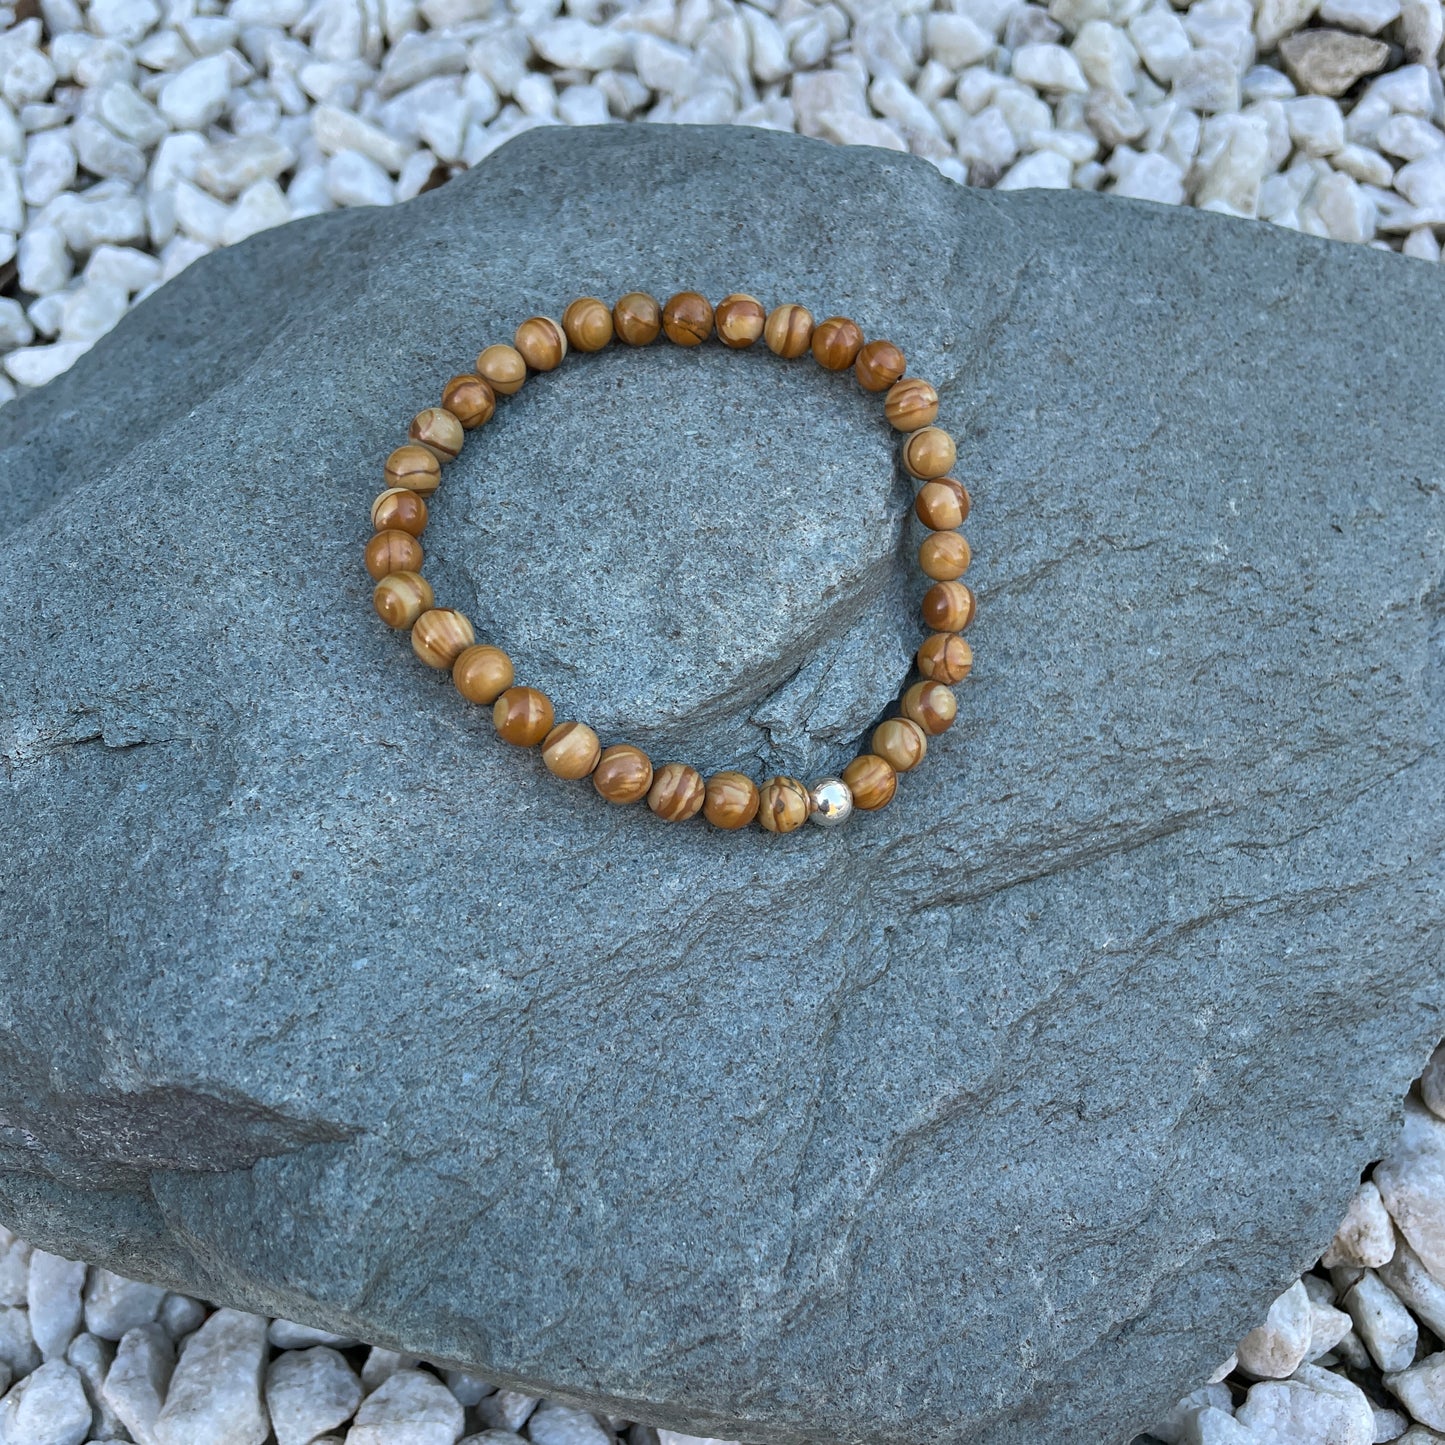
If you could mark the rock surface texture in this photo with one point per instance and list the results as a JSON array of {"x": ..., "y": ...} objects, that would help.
[{"x": 318, "y": 1001}]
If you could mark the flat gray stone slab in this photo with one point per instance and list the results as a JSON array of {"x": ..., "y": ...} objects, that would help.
[{"x": 992, "y": 1118}]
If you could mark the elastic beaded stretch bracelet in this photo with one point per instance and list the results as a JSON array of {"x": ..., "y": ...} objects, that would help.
[{"x": 443, "y": 638}]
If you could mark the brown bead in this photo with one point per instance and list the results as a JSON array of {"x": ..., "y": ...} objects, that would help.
[
  {"x": 836, "y": 343},
  {"x": 931, "y": 705},
  {"x": 677, "y": 792},
  {"x": 399, "y": 509},
  {"x": 482, "y": 673},
  {"x": 503, "y": 368},
  {"x": 542, "y": 342},
  {"x": 637, "y": 318},
  {"x": 910, "y": 403},
  {"x": 783, "y": 804},
  {"x": 401, "y": 598},
  {"x": 879, "y": 365},
  {"x": 522, "y": 716},
  {"x": 415, "y": 468},
  {"x": 788, "y": 330},
  {"x": 588, "y": 324},
  {"x": 470, "y": 399},
  {"x": 929, "y": 453},
  {"x": 440, "y": 636},
  {"x": 901, "y": 743},
  {"x": 944, "y": 556},
  {"x": 571, "y": 749},
  {"x": 731, "y": 801},
  {"x": 945, "y": 657},
  {"x": 438, "y": 431},
  {"x": 392, "y": 551},
  {"x": 942, "y": 504},
  {"x": 623, "y": 773},
  {"x": 873, "y": 781},
  {"x": 739, "y": 320},
  {"x": 948, "y": 606},
  {"x": 687, "y": 318}
]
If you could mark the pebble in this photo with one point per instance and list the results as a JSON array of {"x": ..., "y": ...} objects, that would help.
[
  {"x": 1158, "y": 34},
  {"x": 1179, "y": 1424},
  {"x": 127, "y": 113},
  {"x": 260, "y": 207},
  {"x": 49, "y": 167},
  {"x": 135, "y": 1386},
  {"x": 15, "y": 327},
  {"x": 1386, "y": 1327},
  {"x": 469, "y": 1389},
  {"x": 308, "y": 1392},
  {"x": 1316, "y": 124},
  {"x": 1411, "y": 1178},
  {"x": 53, "y": 1295},
  {"x": 1217, "y": 1427},
  {"x": 1048, "y": 68},
  {"x": 1329, "y": 62},
  {"x": 1043, "y": 169},
  {"x": 575, "y": 44},
  {"x": 1421, "y": 1390},
  {"x": 553, "y": 1424},
  {"x": 288, "y": 1335},
  {"x": 48, "y": 1407},
  {"x": 197, "y": 95},
  {"x": 229, "y": 167},
  {"x": 381, "y": 1365},
  {"x": 412, "y": 1407},
  {"x": 1432, "y": 1081},
  {"x": 14, "y": 1263},
  {"x": 1315, "y": 1405},
  {"x": 92, "y": 1358},
  {"x": 17, "y": 1345},
  {"x": 1328, "y": 1327},
  {"x": 215, "y": 1393},
  {"x": 506, "y": 1409},
  {"x": 86, "y": 315},
  {"x": 1368, "y": 17},
  {"x": 353, "y": 179},
  {"x": 114, "y": 1304},
  {"x": 1276, "y": 1348}
]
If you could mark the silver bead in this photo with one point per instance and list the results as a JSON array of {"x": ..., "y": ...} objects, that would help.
[{"x": 832, "y": 802}]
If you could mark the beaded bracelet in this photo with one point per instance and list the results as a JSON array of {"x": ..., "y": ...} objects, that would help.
[{"x": 443, "y": 638}]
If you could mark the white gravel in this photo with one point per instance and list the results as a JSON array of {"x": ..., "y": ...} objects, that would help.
[{"x": 136, "y": 135}]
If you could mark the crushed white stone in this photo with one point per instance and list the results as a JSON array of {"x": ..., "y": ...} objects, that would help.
[
  {"x": 215, "y": 1393},
  {"x": 53, "y": 1298},
  {"x": 48, "y": 1407},
  {"x": 1411, "y": 1180},
  {"x": 1366, "y": 1237},
  {"x": 1387, "y": 1329},
  {"x": 114, "y": 1304},
  {"x": 412, "y": 1407},
  {"x": 308, "y": 1392},
  {"x": 135, "y": 1385},
  {"x": 1275, "y": 1349}
]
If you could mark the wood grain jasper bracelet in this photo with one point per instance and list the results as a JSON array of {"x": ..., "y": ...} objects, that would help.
[{"x": 443, "y": 638}]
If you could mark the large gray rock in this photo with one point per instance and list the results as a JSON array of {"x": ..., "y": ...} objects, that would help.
[{"x": 996, "y": 1117}]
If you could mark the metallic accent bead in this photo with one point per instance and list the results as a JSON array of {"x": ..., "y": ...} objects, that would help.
[{"x": 832, "y": 801}]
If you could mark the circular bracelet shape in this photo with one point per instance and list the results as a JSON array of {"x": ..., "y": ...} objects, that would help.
[{"x": 483, "y": 673}]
